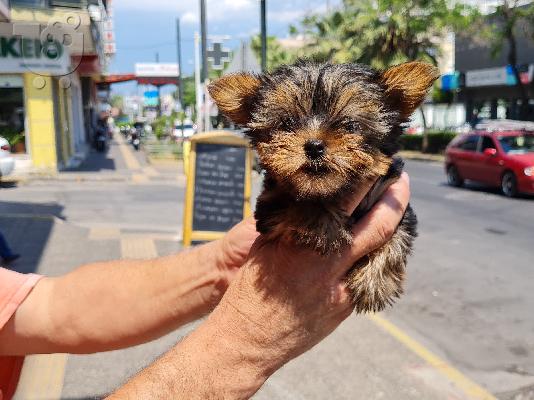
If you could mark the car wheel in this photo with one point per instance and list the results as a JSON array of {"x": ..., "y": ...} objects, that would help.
[
  {"x": 453, "y": 177},
  {"x": 509, "y": 184}
]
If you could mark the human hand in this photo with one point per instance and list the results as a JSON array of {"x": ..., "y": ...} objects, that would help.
[
  {"x": 234, "y": 248},
  {"x": 284, "y": 300}
]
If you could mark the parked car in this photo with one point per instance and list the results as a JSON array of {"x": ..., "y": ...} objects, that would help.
[
  {"x": 188, "y": 129},
  {"x": 7, "y": 162},
  {"x": 499, "y": 154}
]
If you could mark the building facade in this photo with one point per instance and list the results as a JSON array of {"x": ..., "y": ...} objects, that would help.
[
  {"x": 488, "y": 87},
  {"x": 51, "y": 53}
]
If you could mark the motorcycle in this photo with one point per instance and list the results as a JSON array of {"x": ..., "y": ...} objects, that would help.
[
  {"x": 134, "y": 139},
  {"x": 101, "y": 143}
]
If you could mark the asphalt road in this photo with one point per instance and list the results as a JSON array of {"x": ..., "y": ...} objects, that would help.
[
  {"x": 469, "y": 296},
  {"x": 469, "y": 293}
]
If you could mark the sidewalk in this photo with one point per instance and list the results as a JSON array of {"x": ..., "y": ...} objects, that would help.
[{"x": 366, "y": 358}]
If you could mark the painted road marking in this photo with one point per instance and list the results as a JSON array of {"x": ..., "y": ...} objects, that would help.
[
  {"x": 138, "y": 248},
  {"x": 470, "y": 388},
  {"x": 151, "y": 171},
  {"x": 140, "y": 178},
  {"x": 129, "y": 158},
  {"x": 42, "y": 377}
]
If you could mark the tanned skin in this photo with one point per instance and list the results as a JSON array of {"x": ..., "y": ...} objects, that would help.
[{"x": 281, "y": 301}]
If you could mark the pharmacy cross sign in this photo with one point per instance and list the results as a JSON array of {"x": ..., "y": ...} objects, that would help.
[{"x": 218, "y": 55}]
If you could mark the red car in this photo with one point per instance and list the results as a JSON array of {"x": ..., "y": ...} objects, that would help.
[{"x": 496, "y": 154}]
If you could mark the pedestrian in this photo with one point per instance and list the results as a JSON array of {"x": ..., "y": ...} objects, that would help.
[
  {"x": 268, "y": 304},
  {"x": 5, "y": 251}
]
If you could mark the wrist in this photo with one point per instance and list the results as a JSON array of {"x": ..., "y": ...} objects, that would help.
[
  {"x": 210, "y": 257},
  {"x": 231, "y": 366}
]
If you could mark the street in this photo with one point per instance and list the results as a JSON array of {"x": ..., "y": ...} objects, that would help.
[{"x": 464, "y": 328}]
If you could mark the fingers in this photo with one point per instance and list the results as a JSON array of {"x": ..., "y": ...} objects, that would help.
[
  {"x": 350, "y": 203},
  {"x": 378, "y": 226}
]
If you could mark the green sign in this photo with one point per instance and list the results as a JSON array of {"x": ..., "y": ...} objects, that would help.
[{"x": 19, "y": 47}]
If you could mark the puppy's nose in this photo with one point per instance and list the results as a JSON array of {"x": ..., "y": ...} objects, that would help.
[{"x": 314, "y": 148}]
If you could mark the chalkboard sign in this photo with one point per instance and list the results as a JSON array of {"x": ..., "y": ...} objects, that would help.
[{"x": 218, "y": 185}]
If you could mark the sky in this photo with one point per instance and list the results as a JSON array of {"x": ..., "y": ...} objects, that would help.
[{"x": 146, "y": 27}]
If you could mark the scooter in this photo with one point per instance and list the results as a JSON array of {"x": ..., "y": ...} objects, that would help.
[
  {"x": 134, "y": 139},
  {"x": 136, "y": 143},
  {"x": 101, "y": 143}
]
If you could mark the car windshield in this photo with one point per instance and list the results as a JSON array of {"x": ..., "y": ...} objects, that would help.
[{"x": 520, "y": 144}]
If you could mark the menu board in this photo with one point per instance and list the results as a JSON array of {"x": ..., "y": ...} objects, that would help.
[
  {"x": 218, "y": 168},
  {"x": 219, "y": 187}
]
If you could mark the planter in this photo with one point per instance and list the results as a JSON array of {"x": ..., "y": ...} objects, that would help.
[{"x": 19, "y": 148}]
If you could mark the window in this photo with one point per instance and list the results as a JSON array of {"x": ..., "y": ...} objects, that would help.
[
  {"x": 487, "y": 143},
  {"x": 470, "y": 143},
  {"x": 50, "y": 3},
  {"x": 12, "y": 118},
  {"x": 29, "y": 3},
  {"x": 68, "y": 3},
  {"x": 520, "y": 144}
]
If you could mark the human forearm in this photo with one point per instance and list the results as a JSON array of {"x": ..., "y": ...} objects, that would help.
[
  {"x": 112, "y": 305},
  {"x": 215, "y": 362}
]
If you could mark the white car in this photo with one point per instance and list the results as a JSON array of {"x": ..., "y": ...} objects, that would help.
[
  {"x": 188, "y": 130},
  {"x": 7, "y": 163}
]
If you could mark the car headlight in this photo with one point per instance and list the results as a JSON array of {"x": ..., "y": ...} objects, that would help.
[{"x": 529, "y": 171}]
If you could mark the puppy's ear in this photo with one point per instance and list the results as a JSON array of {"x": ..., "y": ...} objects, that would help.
[
  {"x": 234, "y": 95},
  {"x": 407, "y": 85}
]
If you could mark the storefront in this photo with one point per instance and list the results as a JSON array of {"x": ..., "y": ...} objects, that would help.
[{"x": 40, "y": 100}]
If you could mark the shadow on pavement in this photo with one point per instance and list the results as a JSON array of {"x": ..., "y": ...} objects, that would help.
[
  {"x": 96, "y": 162},
  {"x": 27, "y": 228},
  {"x": 480, "y": 188},
  {"x": 7, "y": 185}
]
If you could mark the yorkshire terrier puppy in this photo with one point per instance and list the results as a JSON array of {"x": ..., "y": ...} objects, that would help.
[{"x": 320, "y": 130}]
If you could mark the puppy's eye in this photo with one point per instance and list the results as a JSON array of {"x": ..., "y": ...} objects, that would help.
[
  {"x": 352, "y": 126},
  {"x": 287, "y": 124}
]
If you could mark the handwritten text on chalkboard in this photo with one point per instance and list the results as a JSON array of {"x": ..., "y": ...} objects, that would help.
[{"x": 219, "y": 187}]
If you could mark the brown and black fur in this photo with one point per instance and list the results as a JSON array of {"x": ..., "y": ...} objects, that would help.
[{"x": 320, "y": 130}]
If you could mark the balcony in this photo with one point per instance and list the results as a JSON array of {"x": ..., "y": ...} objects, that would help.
[
  {"x": 4, "y": 10},
  {"x": 48, "y": 12}
]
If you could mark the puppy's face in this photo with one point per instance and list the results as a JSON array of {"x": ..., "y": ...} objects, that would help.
[{"x": 320, "y": 128}]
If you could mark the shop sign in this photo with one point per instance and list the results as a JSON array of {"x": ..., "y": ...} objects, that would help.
[
  {"x": 503, "y": 76},
  {"x": 22, "y": 54},
  {"x": 156, "y": 70},
  {"x": 486, "y": 77}
]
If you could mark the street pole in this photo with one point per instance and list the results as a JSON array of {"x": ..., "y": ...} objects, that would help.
[
  {"x": 204, "y": 76},
  {"x": 198, "y": 86},
  {"x": 179, "y": 49},
  {"x": 263, "y": 23},
  {"x": 204, "y": 34},
  {"x": 158, "y": 109}
]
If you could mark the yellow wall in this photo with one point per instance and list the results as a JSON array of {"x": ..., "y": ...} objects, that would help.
[{"x": 41, "y": 124}]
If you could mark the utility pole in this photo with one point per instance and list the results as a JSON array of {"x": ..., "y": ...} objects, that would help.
[
  {"x": 204, "y": 35},
  {"x": 199, "y": 92},
  {"x": 204, "y": 76},
  {"x": 179, "y": 50},
  {"x": 158, "y": 87},
  {"x": 263, "y": 23}
]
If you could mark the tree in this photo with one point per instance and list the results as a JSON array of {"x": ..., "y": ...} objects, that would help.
[
  {"x": 382, "y": 33},
  {"x": 508, "y": 18},
  {"x": 276, "y": 54}
]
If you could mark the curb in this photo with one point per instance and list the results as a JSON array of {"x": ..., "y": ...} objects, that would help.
[{"x": 418, "y": 156}]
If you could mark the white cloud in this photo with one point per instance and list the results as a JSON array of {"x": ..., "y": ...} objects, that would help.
[{"x": 189, "y": 18}]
